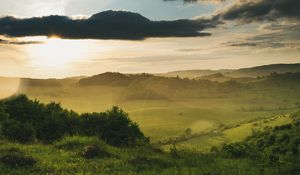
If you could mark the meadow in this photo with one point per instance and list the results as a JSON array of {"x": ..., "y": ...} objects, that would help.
[
  {"x": 72, "y": 154},
  {"x": 198, "y": 107},
  {"x": 195, "y": 126}
]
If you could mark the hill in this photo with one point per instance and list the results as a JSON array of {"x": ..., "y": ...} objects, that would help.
[
  {"x": 238, "y": 73},
  {"x": 191, "y": 73},
  {"x": 165, "y": 107},
  {"x": 88, "y": 150},
  {"x": 265, "y": 70}
]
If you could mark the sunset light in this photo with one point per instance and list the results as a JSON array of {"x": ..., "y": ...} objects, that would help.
[
  {"x": 56, "y": 52},
  {"x": 150, "y": 87}
]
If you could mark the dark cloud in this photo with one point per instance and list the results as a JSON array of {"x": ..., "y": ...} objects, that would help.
[
  {"x": 264, "y": 45},
  {"x": 249, "y": 10},
  {"x": 279, "y": 36},
  {"x": 191, "y": 1},
  {"x": 2, "y": 41},
  {"x": 104, "y": 25},
  {"x": 250, "y": 44}
]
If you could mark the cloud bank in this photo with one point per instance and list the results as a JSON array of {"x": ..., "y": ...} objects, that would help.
[
  {"x": 250, "y": 10},
  {"x": 190, "y": 1},
  {"x": 105, "y": 25},
  {"x": 133, "y": 26}
]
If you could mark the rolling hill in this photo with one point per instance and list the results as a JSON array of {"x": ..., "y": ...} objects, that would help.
[
  {"x": 244, "y": 72},
  {"x": 166, "y": 106}
]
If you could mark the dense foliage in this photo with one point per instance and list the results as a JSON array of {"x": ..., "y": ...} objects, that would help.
[
  {"x": 278, "y": 146},
  {"x": 24, "y": 120}
]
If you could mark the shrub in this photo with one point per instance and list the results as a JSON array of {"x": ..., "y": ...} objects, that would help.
[
  {"x": 27, "y": 119},
  {"x": 174, "y": 151},
  {"x": 119, "y": 130},
  {"x": 92, "y": 124},
  {"x": 56, "y": 123},
  {"x": 113, "y": 126},
  {"x": 16, "y": 131},
  {"x": 235, "y": 150}
]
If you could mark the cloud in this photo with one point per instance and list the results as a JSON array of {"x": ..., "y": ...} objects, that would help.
[
  {"x": 191, "y": 1},
  {"x": 274, "y": 36},
  {"x": 15, "y": 42},
  {"x": 246, "y": 44},
  {"x": 250, "y": 10},
  {"x": 104, "y": 25}
]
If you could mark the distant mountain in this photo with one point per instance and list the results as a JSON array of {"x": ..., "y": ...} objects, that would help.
[
  {"x": 237, "y": 73},
  {"x": 219, "y": 77},
  {"x": 147, "y": 86},
  {"x": 108, "y": 78},
  {"x": 265, "y": 70},
  {"x": 191, "y": 73}
]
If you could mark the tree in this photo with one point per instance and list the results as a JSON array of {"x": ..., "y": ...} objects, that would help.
[
  {"x": 188, "y": 132},
  {"x": 119, "y": 130}
]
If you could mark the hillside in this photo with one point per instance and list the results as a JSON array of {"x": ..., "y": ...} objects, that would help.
[
  {"x": 238, "y": 73},
  {"x": 274, "y": 149},
  {"x": 171, "y": 104},
  {"x": 265, "y": 70},
  {"x": 191, "y": 73}
]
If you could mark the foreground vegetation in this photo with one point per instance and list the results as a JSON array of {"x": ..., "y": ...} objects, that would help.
[
  {"x": 24, "y": 120},
  {"x": 82, "y": 148}
]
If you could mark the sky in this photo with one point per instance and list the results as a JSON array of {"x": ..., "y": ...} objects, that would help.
[{"x": 63, "y": 38}]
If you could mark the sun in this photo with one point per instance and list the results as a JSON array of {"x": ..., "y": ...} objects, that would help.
[{"x": 56, "y": 52}]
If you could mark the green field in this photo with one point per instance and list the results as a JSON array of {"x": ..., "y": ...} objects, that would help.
[
  {"x": 66, "y": 156},
  {"x": 196, "y": 126},
  {"x": 198, "y": 107}
]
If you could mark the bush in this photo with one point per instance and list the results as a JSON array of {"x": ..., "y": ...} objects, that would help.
[
  {"x": 16, "y": 131},
  {"x": 27, "y": 119},
  {"x": 119, "y": 130},
  {"x": 113, "y": 126},
  {"x": 93, "y": 151},
  {"x": 15, "y": 158},
  {"x": 235, "y": 150}
]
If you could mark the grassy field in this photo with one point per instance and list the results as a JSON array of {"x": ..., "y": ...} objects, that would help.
[
  {"x": 65, "y": 156},
  {"x": 214, "y": 113},
  {"x": 164, "y": 118},
  {"x": 232, "y": 134}
]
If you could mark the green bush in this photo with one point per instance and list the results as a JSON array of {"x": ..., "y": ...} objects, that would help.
[
  {"x": 278, "y": 146},
  {"x": 16, "y": 131},
  {"x": 236, "y": 150},
  {"x": 26, "y": 119},
  {"x": 113, "y": 126}
]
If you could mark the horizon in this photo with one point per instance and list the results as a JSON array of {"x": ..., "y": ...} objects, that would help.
[{"x": 155, "y": 73}]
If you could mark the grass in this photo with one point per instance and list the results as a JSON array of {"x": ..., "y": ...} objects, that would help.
[
  {"x": 63, "y": 158},
  {"x": 231, "y": 135},
  {"x": 161, "y": 119}
]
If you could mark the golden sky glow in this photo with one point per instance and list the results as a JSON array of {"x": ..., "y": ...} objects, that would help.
[
  {"x": 231, "y": 45},
  {"x": 56, "y": 53}
]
